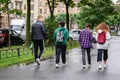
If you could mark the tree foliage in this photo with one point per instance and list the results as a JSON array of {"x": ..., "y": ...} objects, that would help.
[
  {"x": 95, "y": 11},
  {"x": 68, "y": 3},
  {"x": 5, "y": 8},
  {"x": 52, "y": 25},
  {"x": 114, "y": 20},
  {"x": 52, "y": 4},
  {"x": 60, "y": 17},
  {"x": 117, "y": 8},
  {"x": 50, "y": 28}
]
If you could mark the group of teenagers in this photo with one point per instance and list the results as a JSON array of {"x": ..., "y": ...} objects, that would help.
[{"x": 38, "y": 34}]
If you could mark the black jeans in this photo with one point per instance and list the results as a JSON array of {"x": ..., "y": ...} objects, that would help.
[
  {"x": 88, "y": 55},
  {"x": 38, "y": 44},
  {"x": 105, "y": 54},
  {"x": 60, "y": 50}
]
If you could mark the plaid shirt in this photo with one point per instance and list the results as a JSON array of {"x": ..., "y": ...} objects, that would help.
[{"x": 85, "y": 38}]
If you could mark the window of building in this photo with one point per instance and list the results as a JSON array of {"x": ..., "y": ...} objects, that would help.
[
  {"x": 17, "y": 6},
  {"x": 58, "y": 11},
  {"x": 40, "y": 3},
  {"x": 32, "y": 7},
  {"x": 25, "y": 15},
  {"x": 11, "y": 5},
  {"x": 63, "y": 6},
  {"x": 32, "y": 16},
  {"x": 24, "y": 6},
  {"x": 40, "y": 11},
  {"x": 32, "y": 0},
  {"x": 45, "y": 11}
]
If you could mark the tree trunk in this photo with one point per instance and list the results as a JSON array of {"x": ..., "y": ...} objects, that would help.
[
  {"x": 52, "y": 12},
  {"x": 52, "y": 15},
  {"x": 67, "y": 16},
  {"x": 9, "y": 42},
  {"x": 28, "y": 23},
  {"x": 51, "y": 8}
]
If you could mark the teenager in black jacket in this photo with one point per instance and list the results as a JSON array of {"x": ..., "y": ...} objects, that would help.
[{"x": 38, "y": 35}]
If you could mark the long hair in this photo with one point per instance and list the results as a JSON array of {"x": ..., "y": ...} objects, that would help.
[{"x": 103, "y": 26}]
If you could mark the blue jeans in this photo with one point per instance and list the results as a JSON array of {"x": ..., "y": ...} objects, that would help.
[
  {"x": 60, "y": 50},
  {"x": 105, "y": 54},
  {"x": 88, "y": 55}
]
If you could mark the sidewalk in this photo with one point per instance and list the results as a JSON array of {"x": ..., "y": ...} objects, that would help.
[{"x": 72, "y": 71}]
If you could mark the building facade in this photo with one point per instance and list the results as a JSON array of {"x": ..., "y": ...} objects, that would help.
[
  {"x": 5, "y": 18},
  {"x": 118, "y": 2},
  {"x": 38, "y": 7}
]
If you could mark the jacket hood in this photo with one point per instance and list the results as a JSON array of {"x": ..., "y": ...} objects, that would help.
[{"x": 61, "y": 28}]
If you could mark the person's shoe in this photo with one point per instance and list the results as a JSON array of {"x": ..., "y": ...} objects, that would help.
[
  {"x": 105, "y": 66},
  {"x": 35, "y": 63},
  {"x": 38, "y": 61},
  {"x": 89, "y": 66},
  {"x": 100, "y": 67},
  {"x": 84, "y": 66},
  {"x": 64, "y": 64},
  {"x": 57, "y": 65}
]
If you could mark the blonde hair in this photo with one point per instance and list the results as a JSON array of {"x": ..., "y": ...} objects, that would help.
[
  {"x": 39, "y": 17},
  {"x": 103, "y": 26}
]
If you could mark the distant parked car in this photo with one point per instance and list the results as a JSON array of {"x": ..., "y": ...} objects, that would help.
[
  {"x": 14, "y": 37},
  {"x": 118, "y": 33},
  {"x": 74, "y": 34}
]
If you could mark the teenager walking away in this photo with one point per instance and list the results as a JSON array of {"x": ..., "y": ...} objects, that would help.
[
  {"x": 85, "y": 40},
  {"x": 38, "y": 35},
  {"x": 103, "y": 36},
  {"x": 60, "y": 36}
]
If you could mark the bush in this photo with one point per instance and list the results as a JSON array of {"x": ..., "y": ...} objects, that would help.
[{"x": 50, "y": 28}]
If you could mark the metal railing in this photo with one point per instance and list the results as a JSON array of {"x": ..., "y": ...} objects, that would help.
[{"x": 18, "y": 52}]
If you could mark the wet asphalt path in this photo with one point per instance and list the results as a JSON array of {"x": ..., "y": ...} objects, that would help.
[{"x": 72, "y": 71}]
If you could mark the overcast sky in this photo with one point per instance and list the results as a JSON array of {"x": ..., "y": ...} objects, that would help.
[{"x": 114, "y": 0}]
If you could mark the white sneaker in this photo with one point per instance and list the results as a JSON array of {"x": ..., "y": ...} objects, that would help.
[
  {"x": 57, "y": 65},
  {"x": 35, "y": 63},
  {"x": 89, "y": 66},
  {"x": 84, "y": 66},
  {"x": 38, "y": 61},
  {"x": 105, "y": 66},
  {"x": 100, "y": 66},
  {"x": 64, "y": 64}
]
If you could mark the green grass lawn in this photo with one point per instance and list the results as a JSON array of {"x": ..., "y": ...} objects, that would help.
[{"x": 28, "y": 58}]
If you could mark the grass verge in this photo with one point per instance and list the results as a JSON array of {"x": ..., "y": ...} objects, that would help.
[{"x": 30, "y": 58}]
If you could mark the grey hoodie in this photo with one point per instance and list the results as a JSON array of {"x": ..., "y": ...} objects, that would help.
[{"x": 106, "y": 44}]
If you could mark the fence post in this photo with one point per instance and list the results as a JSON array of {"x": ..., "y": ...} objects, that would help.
[
  {"x": 32, "y": 51},
  {"x": 0, "y": 55},
  {"x": 18, "y": 51}
]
